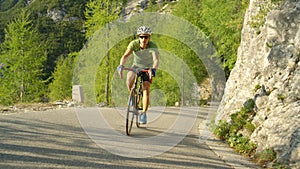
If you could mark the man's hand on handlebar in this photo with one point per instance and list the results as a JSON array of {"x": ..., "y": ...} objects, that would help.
[
  {"x": 153, "y": 72},
  {"x": 120, "y": 70}
]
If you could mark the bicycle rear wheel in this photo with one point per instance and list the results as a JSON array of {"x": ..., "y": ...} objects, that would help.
[{"x": 131, "y": 111}]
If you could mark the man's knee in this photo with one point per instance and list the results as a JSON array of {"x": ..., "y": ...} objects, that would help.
[
  {"x": 130, "y": 79},
  {"x": 146, "y": 86}
]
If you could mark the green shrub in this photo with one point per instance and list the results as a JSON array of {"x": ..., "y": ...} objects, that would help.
[
  {"x": 278, "y": 165},
  {"x": 222, "y": 130},
  {"x": 240, "y": 121},
  {"x": 249, "y": 106},
  {"x": 249, "y": 127},
  {"x": 266, "y": 156},
  {"x": 244, "y": 145},
  {"x": 61, "y": 86}
]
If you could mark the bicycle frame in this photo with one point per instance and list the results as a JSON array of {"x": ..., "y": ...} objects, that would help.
[
  {"x": 138, "y": 81},
  {"x": 138, "y": 88},
  {"x": 135, "y": 99}
]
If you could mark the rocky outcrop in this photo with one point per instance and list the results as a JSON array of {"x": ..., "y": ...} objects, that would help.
[
  {"x": 56, "y": 14},
  {"x": 137, "y": 6},
  {"x": 268, "y": 71}
]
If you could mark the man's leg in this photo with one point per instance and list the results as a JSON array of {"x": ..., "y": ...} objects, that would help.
[
  {"x": 146, "y": 93},
  {"x": 130, "y": 79}
]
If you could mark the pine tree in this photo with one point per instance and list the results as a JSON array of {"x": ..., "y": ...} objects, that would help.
[
  {"x": 98, "y": 14},
  {"x": 61, "y": 86},
  {"x": 22, "y": 57}
]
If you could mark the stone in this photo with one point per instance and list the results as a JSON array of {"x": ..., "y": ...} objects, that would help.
[
  {"x": 269, "y": 59},
  {"x": 77, "y": 94}
]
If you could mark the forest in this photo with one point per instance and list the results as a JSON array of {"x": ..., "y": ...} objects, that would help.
[{"x": 40, "y": 42}]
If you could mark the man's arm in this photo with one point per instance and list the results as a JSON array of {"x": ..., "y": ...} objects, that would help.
[
  {"x": 123, "y": 61},
  {"x": 124, "y": 58},
  {"x": 155, "y": 60}
]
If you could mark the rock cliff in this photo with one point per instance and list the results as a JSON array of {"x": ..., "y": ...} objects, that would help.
[{"x": 268, "y": 71}]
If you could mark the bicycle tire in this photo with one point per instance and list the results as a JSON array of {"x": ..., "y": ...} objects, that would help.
[
  {"x": 130, "y": 113},
  {"x": 139, "y": 104}
]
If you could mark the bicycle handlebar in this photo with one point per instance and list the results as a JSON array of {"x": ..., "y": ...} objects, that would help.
[
  {"x": 134, "y": 70},
  {"x": 140, "y": 70}
]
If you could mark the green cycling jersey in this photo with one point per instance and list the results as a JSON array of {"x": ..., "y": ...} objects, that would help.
[{"x": 143, "y": 58}]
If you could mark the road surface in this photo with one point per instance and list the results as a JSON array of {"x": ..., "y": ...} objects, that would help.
[{"x": 68, "y": 138}]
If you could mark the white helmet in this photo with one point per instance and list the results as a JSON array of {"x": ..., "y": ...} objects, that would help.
[{"x": 143, "y": 30}]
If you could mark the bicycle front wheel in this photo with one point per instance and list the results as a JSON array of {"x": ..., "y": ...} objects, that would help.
[
  {"x": 130, "y": 112},
  {"x": 139, "y": 106}
]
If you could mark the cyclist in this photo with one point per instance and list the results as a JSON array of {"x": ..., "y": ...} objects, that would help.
[{"x": 145, "y": 55}]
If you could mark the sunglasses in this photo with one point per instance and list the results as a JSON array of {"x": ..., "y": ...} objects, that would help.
[{"x": 144, "y": 37}]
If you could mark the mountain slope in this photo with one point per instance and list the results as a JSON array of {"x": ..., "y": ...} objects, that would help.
[{"x": 8, "y": 9}]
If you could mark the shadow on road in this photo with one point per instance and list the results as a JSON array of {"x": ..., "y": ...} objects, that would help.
[{"x": 55, "y": 139}]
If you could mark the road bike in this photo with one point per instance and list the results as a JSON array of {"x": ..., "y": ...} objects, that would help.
[{"x": 135, "y": 100}]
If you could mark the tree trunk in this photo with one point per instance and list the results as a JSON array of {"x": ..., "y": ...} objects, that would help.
[{"x": 108, "y": 69}]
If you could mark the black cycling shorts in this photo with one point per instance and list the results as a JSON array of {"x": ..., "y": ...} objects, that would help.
[{"x": 144, "y": 75}]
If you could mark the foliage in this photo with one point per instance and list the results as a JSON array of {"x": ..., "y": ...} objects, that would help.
[
  {"x": 241, "y": 144},
  {"x": 221, "y": 21},
  {"x": 23, "y": 55},
  {"x": 269, "y": 156},
  {"x": 258, "y": 20},
  {"x": 240, "y": 122},
  {"x": 185, "y": 53},
  {"x": 222, "y": 130},
  {"x": 257, "y": 87},
  {"x": 265, "y": 156},
  {"x": 169, "y": 84},
  {"x": 278, "y": 165},
  {"x": 98, "y": 14},
  {"x": 63, "y": 36},
  {"x": 107, "y": 69},
  {"x": 61, "y": 86},
  {"x": 167, "y": 81},
  {"x": 5, "y": 5},
  {"x": 8, "y": 10}
]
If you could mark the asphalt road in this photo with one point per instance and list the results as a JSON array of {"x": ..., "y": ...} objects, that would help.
[{"x": 95, "y": 138}]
